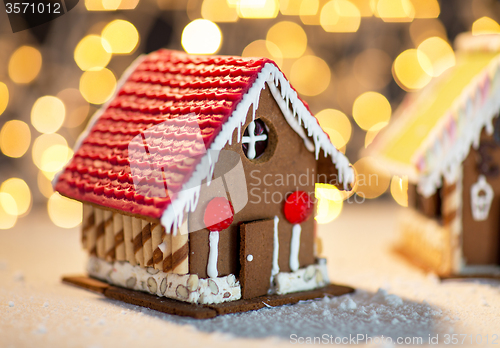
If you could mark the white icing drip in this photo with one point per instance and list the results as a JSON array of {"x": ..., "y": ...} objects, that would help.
[
  {"x": 276, "y": 248},
  {"x": 295, "y": 247},
  {"x": 187, "y": 198},
  {"x": 101, "y": 111},
  {"x": 213, "y": 255}
]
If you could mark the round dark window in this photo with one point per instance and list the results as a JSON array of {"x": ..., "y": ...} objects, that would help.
[{"x": 255, "y": 139}]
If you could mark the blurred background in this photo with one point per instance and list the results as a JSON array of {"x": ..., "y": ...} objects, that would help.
[{"x": 351, "y": 60}]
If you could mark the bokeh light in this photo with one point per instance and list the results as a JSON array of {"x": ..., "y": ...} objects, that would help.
[
  {"x": 218, "y": 11},
  {"x": 15, "y": 138},
  {"x": 90, "y": 53},
  {"x": 426, "y": 8},
  {"x": 310, "y": 12},
  {"x": 54, "y": 159},
  {"x": 485, "y": 25},
  {"x": 395, "y": 10},
  {"x": 290, "y": 7},
  {"x": 422, "y": 29},
  {"x": 373, "y": 131},
  {"x": 340, "y": 16},
  {"x": 25, "y": 64},
  {"x": 43, "y": 143},
  {"x": 290, "y": 38},
  {"x": 110, "y": 5},
  {"x": 408, "y": 72},
  {"x": 263, "y": 48},
  {"x": 4, "y": 97},
  {"x": 120, "y": 37},
  {"x": 258, "y": 8},
  {"x": 310, "y": 75},
  {"x": 97, "y": 87},
  {"x": 329, "y": 203},
  {"x": 7, "y": 220},
  {"x": 201, "y": 36},
  {"x": 64, "y": 212},
  {"x": 20, "y": 192},
  {"x": 371, "y": 108},
  {"x": 373, "y": 179},
  {"x": 365, "y": 7},
  {"x": 438, "y": 52},
  {"x": 47, "y": 114},
  {"x": 44, "y": 184},
  {"x": 399, "y": 190},
  {"x": 337, "y": 125},
  {"x": 77, "y": 108}
]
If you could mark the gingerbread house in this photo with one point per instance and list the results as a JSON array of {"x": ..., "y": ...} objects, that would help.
[
  {"x": 446, "y": 140},
  {"x": 197, "y": 181}
]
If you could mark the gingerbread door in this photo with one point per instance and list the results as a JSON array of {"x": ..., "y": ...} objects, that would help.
[{"x": 256, "y": 257}]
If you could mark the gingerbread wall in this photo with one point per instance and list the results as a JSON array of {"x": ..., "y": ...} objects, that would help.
[
  {"x": 481, "y": 239},
  {"x": 289, "y": 156}
]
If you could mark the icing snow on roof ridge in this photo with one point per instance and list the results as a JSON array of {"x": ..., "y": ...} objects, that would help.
[
  {"x": 187, "y": 199},
  {"x": 450, "y": 140}
]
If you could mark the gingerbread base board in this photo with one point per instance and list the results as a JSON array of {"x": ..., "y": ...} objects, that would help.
[{"x": 169, "y": 306}]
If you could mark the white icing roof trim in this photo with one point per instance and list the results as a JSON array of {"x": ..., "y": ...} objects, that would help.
[
  {"x": 187, "y": 199},
  {"x": 449, "y": 156}
]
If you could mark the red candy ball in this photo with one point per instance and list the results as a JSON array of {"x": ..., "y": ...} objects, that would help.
[
  {"x": 218, "y": 214},
  {"x": 298, "y": 207}
]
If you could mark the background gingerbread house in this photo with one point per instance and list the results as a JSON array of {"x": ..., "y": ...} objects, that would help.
[
  {"x": 446, "y": 140},
  {"x": 194, "y": 138}
]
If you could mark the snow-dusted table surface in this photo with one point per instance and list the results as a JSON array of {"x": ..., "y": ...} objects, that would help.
[{"x": 392, "y": 300}]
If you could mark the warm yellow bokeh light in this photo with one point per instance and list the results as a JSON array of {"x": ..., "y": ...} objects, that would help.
[
  {"x": 263, "y": 48},
  {"x": 365, "y": 7},
  {"x": 64, "y": 212},
  {"x": 310, "y": 75},
  {"x": 329, "y": 203},
  {"x": 47, "y": 114},
  {"x": 55, "y": 158},
  {"x": 426, "y": 8},
  {"x": 4, "y": 97},
  {"x": 290, "y": 38},
  {"x": 340, "y": 16},
  {"x": 25, "y": 64},
  {"x": 371, "y": 108},
  {"x": 372, "y": 178},
  {"x": 485, "y": 25},
  {"x": 399, "y": 190},
  {"x": 21, "y": 193},
  {"x": 42, "y": 143},
  {"x": 120, "y": 37},
  {"x": 97, "y": 86},
  {"x": 201, "y": 36},
  {"x": 218, "y": 11},
  {"x": 337, "y": 125},
  {"x": 395, "y": 10},
  {"x": 290, "y": 7},
  {"x": 110, "y": 5},
  {"x": 77, "y": 108},
  {"x": 44, "y": 184},
  {"x": 310, "y": 12},
  {"x": 7, "y": 220},
  {"x": 15, "y": 138},
  {"x": 373, "y": 131},
  {"x": 90, "y": 53},
  {"x": 438, "y": 52},
  {"x": 422, "y": 29},
  {"x": 258, "y": 8},
  {"x": 408, "y": 72}
]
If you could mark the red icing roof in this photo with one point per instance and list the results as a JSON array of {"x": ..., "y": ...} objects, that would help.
[{"x": 169, "y": 111}]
